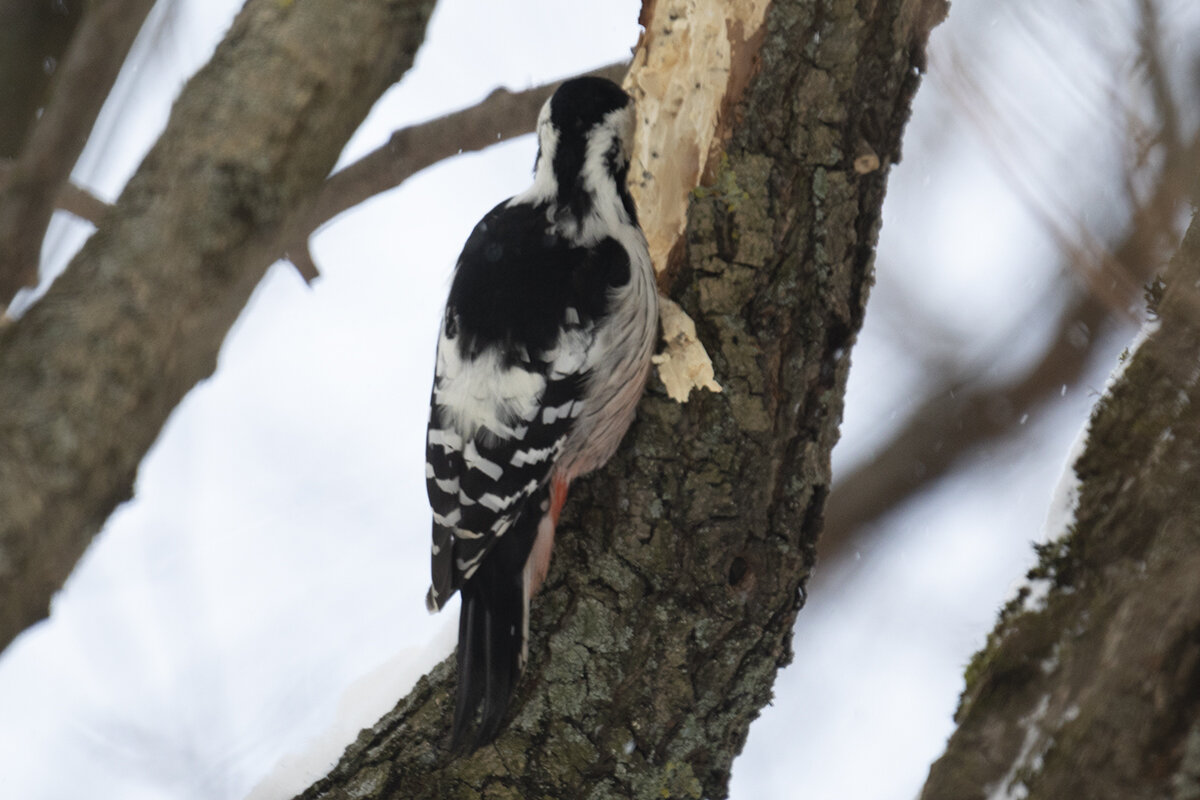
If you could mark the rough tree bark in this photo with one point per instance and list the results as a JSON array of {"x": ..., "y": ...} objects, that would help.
[
  {"x": 680, "y": 568},
  {"x": 90, "y": 373},
  {"x": 1095, "y": 692}
]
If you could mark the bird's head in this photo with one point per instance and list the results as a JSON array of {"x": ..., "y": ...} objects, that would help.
[{"x": 585, "y": 137}]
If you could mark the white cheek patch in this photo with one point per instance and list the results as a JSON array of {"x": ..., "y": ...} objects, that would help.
[
  {"x": 608, "y": 212},
  {"x": 545, "y": 185}
]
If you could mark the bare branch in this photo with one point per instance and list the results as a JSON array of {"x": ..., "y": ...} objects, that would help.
[
  {"x": 71, "y": 198},
  {"x": 956, "y": 420},
  {"x": 88, "y": 71},
  {"x": 503, "y": 115},
  {"x": 301, "y": 258}
]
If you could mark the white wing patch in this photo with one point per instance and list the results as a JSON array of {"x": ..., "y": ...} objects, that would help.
[
  {"x": 482, "y": 392},
  {"x": 550, "y": 415},
  {"x": 447, "y": 485},
  {"x": 496, "y": 503},
  {"x": 473, "y": 458},
  {"x": 447, "y": 439},
  {"x": 536, "y": 455}
]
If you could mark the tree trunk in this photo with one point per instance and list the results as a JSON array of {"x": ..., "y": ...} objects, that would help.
[
  {"x": 90, "y": 373},
  {"x": 1095, "y": 691},
  {"x": 681, "y": 566}
]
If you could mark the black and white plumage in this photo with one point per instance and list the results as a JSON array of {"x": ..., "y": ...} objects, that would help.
[{"x": 543, "y": 354}]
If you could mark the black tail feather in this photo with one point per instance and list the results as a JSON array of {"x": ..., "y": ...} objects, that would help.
[
  {"x": 491, "y": 631},
  {"x": 471, "y": 647},
  {"x": 490, "y": 627}
]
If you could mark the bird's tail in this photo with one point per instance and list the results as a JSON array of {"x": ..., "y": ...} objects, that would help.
[
  {"x": 493, "y": 626},
  {"x": 490, "y": 627}
]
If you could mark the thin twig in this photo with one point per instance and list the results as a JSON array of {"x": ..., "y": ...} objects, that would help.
[
  {"x": 82, "y": 203},
  {"x": 301, "y": 258},
  {"x": 71, "y": 198}
]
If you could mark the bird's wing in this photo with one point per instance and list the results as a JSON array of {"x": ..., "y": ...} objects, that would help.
[
  {"x": 514, "y": 357},
  {"x": 480, "y": 472}
]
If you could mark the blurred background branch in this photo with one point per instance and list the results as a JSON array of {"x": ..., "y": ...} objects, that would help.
[
  {"x": 55, "y": 138},
  {"x": 33, "y": 36},
  {"x": 966, "y": 410}
]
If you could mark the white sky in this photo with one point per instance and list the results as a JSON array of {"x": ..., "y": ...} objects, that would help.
[{"x": 276, "y": 551}]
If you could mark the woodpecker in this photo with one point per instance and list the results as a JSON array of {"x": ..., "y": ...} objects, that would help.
[{"x": 544, "y": 350}]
